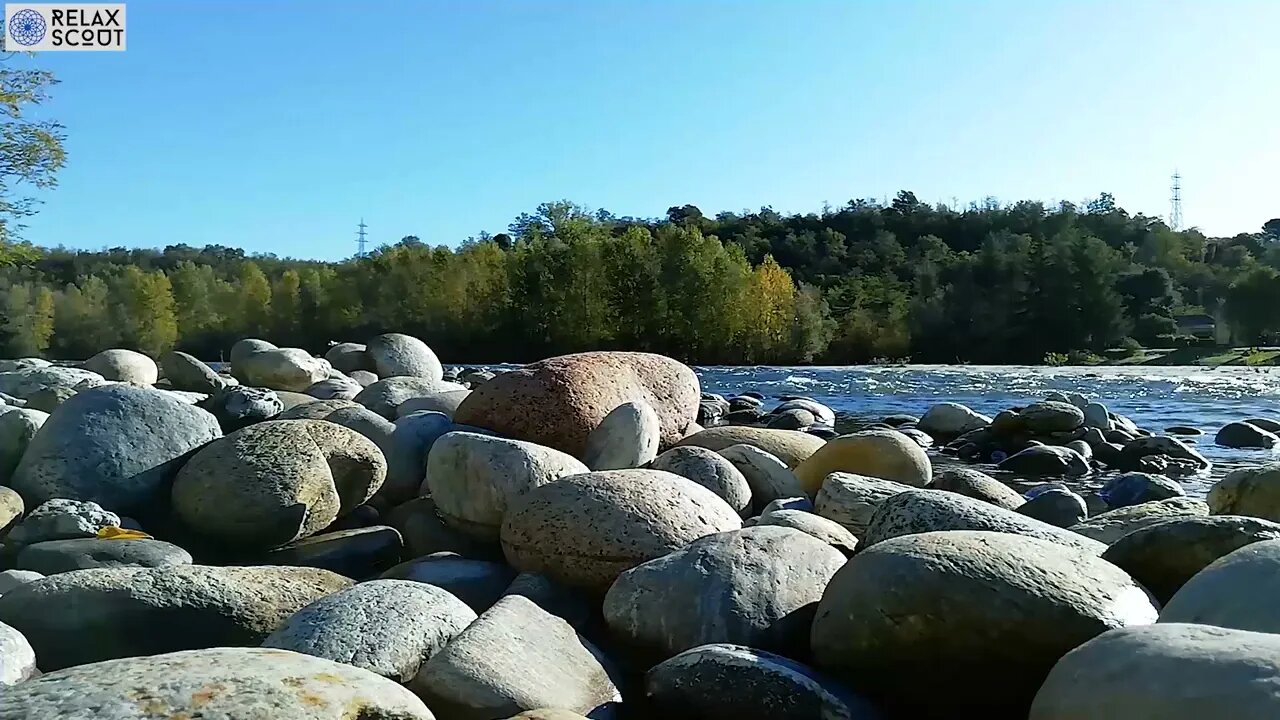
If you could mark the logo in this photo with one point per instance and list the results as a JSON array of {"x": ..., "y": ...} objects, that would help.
[{"x": 64, "y": 26}]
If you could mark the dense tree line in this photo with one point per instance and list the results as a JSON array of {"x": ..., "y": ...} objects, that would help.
[{"x": 866, "y": 281}]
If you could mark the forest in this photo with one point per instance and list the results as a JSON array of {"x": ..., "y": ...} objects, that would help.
[{"x": 865, "y": 282}]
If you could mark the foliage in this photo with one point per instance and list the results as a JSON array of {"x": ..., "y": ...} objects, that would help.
[{"x": 31, "y": 150}]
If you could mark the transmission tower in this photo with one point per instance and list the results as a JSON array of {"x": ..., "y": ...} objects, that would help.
[
  {"x": 1175, "y": 202},
  {"x": 360, "y": 241}
]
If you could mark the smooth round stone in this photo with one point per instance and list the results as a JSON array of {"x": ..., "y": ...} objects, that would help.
[
  {"x": 388, "y": 394},
  {"x": 119, "y": 446},
  {"x": 977, "y": 485},
  {"x": 124, "y": 366},
  {"x": 10, "y": 579},
  {"x": 1111, "y": 526},
  {"x": 767, "y": 476},
  {"x": 733, "y": 682},
  {"x": 478, "y": 583},
  {"x": 349, "y": 357},
  {"x": 367, "y": 423},
  {"x": 473, "y": 478},
  {"x": 245, "y": 347},
  {"x": 745, "y": 402},
  {"x": 400, "y": 355},
  {"x": 828, "y": 531},
  {"x": 950, "y": 420},
  {"x": 627, "y": 438},
  {"x": 1141, "y": 447},
  {"x": 851, "y": 500},
  {"x": 1185, "y": 430},
  {"x": 364, "y": 377},
  {"x": 1051, "y": 416},
  {"x": 411, "y": 442},
  {"x": 1166, "y": 671},
  {"x": 388, "y": 627},
  {"x": 425, "y": 532},
  {"x": 239, "y": 406},
  {"x": 11, "y": 509},
  {"x": 745, "y": 416},
  {"x": 1268, "y": 424},
  {"x": 1057, "y": 506},
  {"x": 91, "y": 615},
  {"x": 1235, "y": 591},
  {"x": 516, "y": 657},
  {"x": 793, "y": 419},
  {"x": 1137, "y": 488},
  {"x": 185, "y": 372},
  {"x": 62, "y": 519},
  {"x": 343, "y": 388},
  {"x": 1248, "y": 491},
  {"x": 358, "y": 553},
  {"x": 225, "y": 682},
  {"x": 1165, "y": 555},
  {"x": 556, "y": 599},
  {"x": 1014, "y": 606},
  {"x": 789, "y": 446},
  {"x": 291, "y": 369},
  {"x": 1082, "y": 448},
  {"x": 917, "y": 436},
  {"x": 710, "y": 470},
  {"x": 1045, "y": 461},
  {"x": 1097, "y": 416},
  {"x": 821, "y": 413},
  {"x": 1245, "y": 435},
  {"x": 58, "y": 556},
  {"x": 886, "y": 454},
  {"x": 757, "y": 586},
  {"x": 17, "y": 658},
  {"x": 25, "y": 383},
  {"x": 446, "y": 401},
  {"x": 584, "y": 530}
]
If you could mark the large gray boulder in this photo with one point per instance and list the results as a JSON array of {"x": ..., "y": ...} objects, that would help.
[
  {"x": 766, "y": 474},
  {"x": 443, "y": 401},
  {"x": 10, "y": 579},
  {"x": 1136, "y": 488},
  {"x": 17, "y": 658},
  {"x": 386, "y": 395},
  {"x": 237, "y": 406},
  {"x": 478, "y": 583},
  {"x": 1014, "y": 606},
  {"x": 976, "y": 484},
  {"x": 58, "y": 556},
  {"x": 245, "y": 347},
  {"x": 733, "y": 682},
  {"x": 757, "y": 586},
  {"x": 473, "y": 477},
  {"x": 367, "y": 423},
  {"x": 425, "y": 532},
  {"x": 1045, "y": 460},
  {"x": 340, "y": 388},
  {"x": 291, "y": 369},
  {"x": 17, "y": 427},
  {"x": 24, "y": 383},
  {"x": 828, "y": 531},
  {"x": 584, "y": 530},
  {"x": 516, "y": 657},
  {"x": 710, "y": 470},
  {"x": 118, "y": 446},
  {"x": 1166, "y": 671},
  {"x": 1248, "y": 491},
  {"x": 411, "y": 442},
  {"x": 949, "y": 420},
  {"x": 626, "y": 438},
  {"x": 1164, "y": 556},
  {"x": 1048, "y": 416},
  {"x": 398, "y": 355},
  {"x": 61, "y": 520},
  {"x": 1237, "y": 590},
  {"x": 349, "y": 357},
  {"x": 851, "y": 500},
  {"x": 107, "y": 613},
  {"x": 275, "y": 482},
  {"x": 225, "y": 683},
  {"x": 920, "y": 511},
  {"x": 1057, "y": 506},
  {"x": 185, "y": 372},
  {"x": 1115, "y": 524},
  {"x": 121, "y": 365},
  {"x": 389, "y": 627},
  {"x": 1246, "y": 435}
]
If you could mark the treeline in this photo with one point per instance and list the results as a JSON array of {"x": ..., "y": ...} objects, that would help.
[{"x": 866, "y": 281}]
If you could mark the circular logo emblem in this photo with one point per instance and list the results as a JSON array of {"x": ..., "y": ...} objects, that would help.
[{"x": 27, "y": 27}]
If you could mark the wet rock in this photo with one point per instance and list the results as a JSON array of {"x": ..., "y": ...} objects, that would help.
[
  {"x": 746, "y": 416},
  {"x": 1045, "y": 461},
  {"x": 516, "y": 657},
  {"x": 1057, "y": 506},
  {"x": 710, "y": 470},
  {"x": 793, "y": 419},
  {"x": 215, "y": 683},
  {"x": 1097, "y": 416},
  {"x": 91, "y": 615},
  {"x": 978, "y": 485},
  {"x": 62, "y": 519},
  {"x": 851, "y": 500},
  {"x": 1138, "y": 448},
  {"x": 239, "y": 406},
  {"x": 127, "y": 366},
  {"x": 357, "y": 553},
  {"x": 1050, "y": 416},
  {"x": 477, "y": 583},
  {"x": 1245, "y": 435},
  {"x": 1268, "y": 424},
  {"x": 58, "y": 556},
  {"x": 1237, "y": 590},
  {"x": 1137, "y": 488},
  {"x": 745, "y": 402},
  {"x": 886, "y": 454},
  {"x": 1111, "y": 526},
  {"x": 1185, "y": 430},
  {"x": 821, "y": 413},
  {"x": 584, "y": 530},
  {"x": 1015, "y": 605},
  {"x": 626, "y": 438},
  {"x": 950, "y": 420}
]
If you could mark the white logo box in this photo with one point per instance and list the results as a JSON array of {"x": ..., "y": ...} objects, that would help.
[{"x": 54, "y": 27}]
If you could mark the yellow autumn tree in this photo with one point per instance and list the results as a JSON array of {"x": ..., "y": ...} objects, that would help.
[
  {"x": 769, "y": 301},
  {"x": 254, "y": 302},
  {"x": 147, "y": 310}
]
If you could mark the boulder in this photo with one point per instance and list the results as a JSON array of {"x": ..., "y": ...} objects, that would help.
[
  {"x": 473, "y": 478},
  {"x": 1111, "y": 526},
  {"x": 1167, "y": 671},
  {"x": 239, "y": 406},
  {"x": 1138, "y": 448},
  {"x": 1136, "y": 488},
  {"x": 584, "y": 530},
  {"x": 793, "y": 419},
  {"x": 921, "y": 511},
  {"x": 850, "y": 500},
  {"x": 358, "y": 553},
  {"x": 767, "y": 476},
  {"x": 821, "y": 413},
  {"x": 627, "y": 437},
  {"x": 275, "y": 482},
  {"x": 1248, "y": 491},
  {"x": 11, "y": 509},
  {"x": 343, "y": 388},
  {"x": 364, "y": 377},
  {"x": 23, "y": 364},
  {"x": 61, "y": 519},
  {"x": 801, "y": 502},
  {"x": 1097, "y": 416},
  {"x": 292, "y": 400},
  {"x": 1245, "y": 435},
  {"x": 1049, "y": 416},
  {"x": 1237, "y": 590},
  {"x": 1268, "y": 424},
  {"x": 17, "y": 659},
  {"x": 558, "y": 402},
  {"x": 424, "y": 532},
  {"x": 280, "y": 369},
  {"x": 756, "y": 586},
  {"x": 886, "y": 454},
  {"x": 118, "y": 446},
  {"x": 978, "y": 485},
  {"x": 1165, "y": 555},
  {"x": 367, "y": 423},
  {"x": 516, "y": 657},
  {"x": 1014, "y": 606},
  {"x": 10, "y": 579},
  {"x": 411, "y": 442},
  {"x": 384, "y": 396},
  {"x": 950, "y": 420},
  {"x": 185, "y": 372},
  {"x": 445, "y": 401},
  {"x": 224, "y": 682},
  {"x": 107, "y": 613},
  {"x": 119, "y": 365},
  {"x": 313, "y": 409},
  {"x": 789, "y": 446},
  {"x": 1045, "y": 461},
  {"x": 48, "y": 399},
  {"x": 556, "y": 599},
  {"x": 22, "y": 384},
  {"x": 733, "y": 682},
  {"x": 17, "y": 427},
  {"x": 245, "y": 347},
  {"x": 58, "y": 556},
  {"x": 388, "y": 627},
  {"x": 349, "y": 357},
  {"x": 1057, "y": 506},
  {"x": 478, "y": 583},
  {"x": 828, "y": 531},
  {"x": 398, "y": 355},
  {"x": 710, "y": 470}
]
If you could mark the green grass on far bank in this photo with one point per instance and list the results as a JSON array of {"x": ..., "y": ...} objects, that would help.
[{"x": 1207, "y": 356}]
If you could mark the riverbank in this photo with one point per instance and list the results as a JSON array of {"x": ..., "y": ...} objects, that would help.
[{"x": 1210, "y": 356}]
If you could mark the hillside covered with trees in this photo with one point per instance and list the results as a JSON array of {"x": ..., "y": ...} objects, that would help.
[{"x": 866, "y": 281}]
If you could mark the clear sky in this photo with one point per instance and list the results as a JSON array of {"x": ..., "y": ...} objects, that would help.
[{"x": 275, "y": 126}]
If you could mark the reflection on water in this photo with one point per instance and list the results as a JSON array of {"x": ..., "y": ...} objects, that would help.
[{"x": 1155, "y": 398}]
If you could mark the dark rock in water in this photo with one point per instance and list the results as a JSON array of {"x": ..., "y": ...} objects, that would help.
[
  {"x": 1136, "y": 488},
  {"x": 734, "y": 682},
  {"x": 1045, "y": 460},
  {"x": 1118, "y": 436},
  {"x": 239, "y": 406},
  {"x": 359, "y": 553},
  {"x": 1173, "y": 448},
  {"x": 745, "y": 402},
  {"x": 918, "y": 436},
  {"x": 753, "y": 394},
  {"x": 1185, "y": 430},
  {"x": 897, "y": 420},
  {"x": 477, "y": 582},
  {"x": 822, "y": 431},
  {"x": 1057, "y": 506},
  {"x": 61, "y": 519},
  {"x": 748, "y": 416},
  {"x": 821, "y": 413},
  {"x": 709, "y": 413},
  {"x": 793, "y": 419},
  {"x": 1245, "y": 435},
  {"x": 59, "y": 556},
  {"x": 976, "y": 484},
  {"x": 1164, "y": 556},
  {"x": 1049, "y": 416},
  {"x": 107, "y": 613},
  {"x": 1271, "y": 426}
]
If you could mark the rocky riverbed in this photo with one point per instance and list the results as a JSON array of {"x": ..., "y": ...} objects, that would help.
[{"x": 369, "y": 535}]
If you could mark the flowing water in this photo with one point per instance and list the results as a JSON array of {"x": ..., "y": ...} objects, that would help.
[{"x": 1153, "y": 397}]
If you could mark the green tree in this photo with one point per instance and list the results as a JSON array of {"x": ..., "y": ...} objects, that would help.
[
  {"x": 28, "y": 319},
  {"x": 83, "y": 323},
  {"x": 253, "y": 292},
  {"x": 146, "y": 309},
  {"x": 31, "y": 151},
  {"x": 1253, "y": 304}
]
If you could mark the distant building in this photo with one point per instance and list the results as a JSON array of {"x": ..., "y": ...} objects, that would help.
[{"x": 1201, "y": 327}]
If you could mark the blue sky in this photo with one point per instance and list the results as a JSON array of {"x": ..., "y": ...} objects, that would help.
[{"x": 275, "y": 126}]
